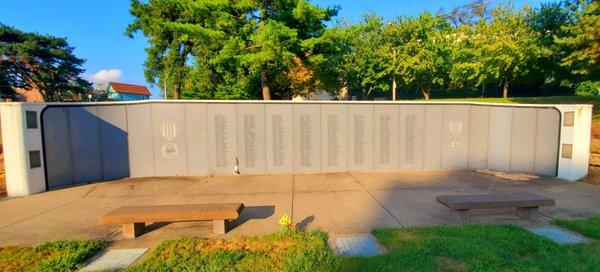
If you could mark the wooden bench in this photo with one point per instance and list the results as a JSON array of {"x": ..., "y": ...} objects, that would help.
[
  {"x": 134, "y": 218},
  {"x": 527, "y": 204}
]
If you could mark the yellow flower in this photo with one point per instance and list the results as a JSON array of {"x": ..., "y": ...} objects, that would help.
[{"x": 285, "y": 221}]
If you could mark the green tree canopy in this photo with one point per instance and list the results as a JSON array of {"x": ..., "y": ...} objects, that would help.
[
  {"x": 420, "y": 51},
  {"x": 43, "y": 62},
  {"x": 249, "y": 49},
  {"x": 549, "y": 21},
  {"x": 228, "y": 45},
  {"x": 582, "y": 41},
  {"x": 499, "y": 51},
  {"x": 364, "y": 65}
]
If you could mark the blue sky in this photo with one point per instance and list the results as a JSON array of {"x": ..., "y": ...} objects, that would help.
[{"x": 96, "y": 28}]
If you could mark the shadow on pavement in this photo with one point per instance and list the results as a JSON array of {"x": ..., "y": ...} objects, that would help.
[{"x": 252, "y": 212}]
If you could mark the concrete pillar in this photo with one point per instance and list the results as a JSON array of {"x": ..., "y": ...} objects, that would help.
[
  {"x": 22, "y": 147},
  {"x": 574, "y": 148}
]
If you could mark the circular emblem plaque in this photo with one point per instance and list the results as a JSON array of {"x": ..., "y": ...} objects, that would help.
[{"x": 170, "y": 150}]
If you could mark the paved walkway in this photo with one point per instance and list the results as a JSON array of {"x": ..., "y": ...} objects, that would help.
[{"x": 340, "y": 203}]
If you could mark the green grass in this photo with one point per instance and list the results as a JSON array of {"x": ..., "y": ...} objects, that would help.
[
  {"x": 589, "y": 227},
  {"x": 474, "y": 248},
  {"x": 441, "y": 248},
  {"x": 281, "y": 251},
  {"x": 444, "y": 248},
  {"x": 49, "y": 256},
  {"x": 595, "y": 100}
]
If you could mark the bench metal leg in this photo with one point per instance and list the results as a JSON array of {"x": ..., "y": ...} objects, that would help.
[
  {"x": 132, "y": 230},
  {"x": 463, "y": 215},
  {"x": 530, "y": 213},
  {"x": 220, "y": 226}
]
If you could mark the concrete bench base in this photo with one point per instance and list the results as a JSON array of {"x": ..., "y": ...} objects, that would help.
[
  {"x": 530, "y": 213},
  {"x": 133, "y": 230},
  {"x": 527, "y": 205}
]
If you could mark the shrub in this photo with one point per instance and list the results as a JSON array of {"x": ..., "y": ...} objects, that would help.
[{"x": 587, "y": 88}]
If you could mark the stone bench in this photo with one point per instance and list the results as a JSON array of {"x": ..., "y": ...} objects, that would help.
[
  {"x": 134, "y": 218},
  {"x": 527, "y": 204}
]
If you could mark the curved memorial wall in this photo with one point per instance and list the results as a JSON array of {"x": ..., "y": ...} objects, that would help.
[{"x": 86, "y": 142}]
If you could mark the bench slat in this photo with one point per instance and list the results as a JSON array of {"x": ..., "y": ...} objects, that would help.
[
  {"x": 174, "y": 213},
  {"x": 491, "y": 201}
]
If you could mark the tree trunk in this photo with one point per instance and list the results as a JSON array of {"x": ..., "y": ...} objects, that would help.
[
  {"x": 266, "y": 92},
  {"x": 505, "y": 89},
  {"x": 367, "y": 93},
  {"x": 425, "y": 92},
  {"x": 176, "y": 89},
  {"x": 164, "y": 90},
  {"x": 40, "y": 96},
  {"x": 343, "y": 93},
  {"x": 394, "y": 88}
]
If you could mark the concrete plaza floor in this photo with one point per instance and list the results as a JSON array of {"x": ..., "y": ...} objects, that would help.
[{"x": 339, "y": 203}]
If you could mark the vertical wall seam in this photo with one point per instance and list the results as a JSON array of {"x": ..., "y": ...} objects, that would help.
[
  {"x": 470, "y": 107},
  {"x": 535, "y": 140},
  {"x": 348, "y": 139},
  {"x": 443, "y": 136},
  {"x": 237, "y": 135},
  {"x": 510, "y": 146},
  {"x": 320, "y": 140},
  {"x": 264, "y": 113},
  {"x": 185, "y": 137},
  {"x": 100, "y": 146},
  {"x": 373, "y": 122},
  {"x": 424, "y": 137},
  {"x": 345, "y": 125},
  {"x": 72, "y": 174},
  {"x": 209, "y": 169},
  {"x": 487, "y": 142},
  {"x": 468, "y": 137},
  {"x": 128, "y": 139},
  {"x": 267, "y": 162},
  {"x": 294, "y": 153},
  {"x": 152, "y": 139},
  {"x": 399, "y": 146},
  {"x": 422, "y": 111}
]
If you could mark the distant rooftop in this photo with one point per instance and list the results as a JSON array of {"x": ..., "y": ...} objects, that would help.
[{"x": 129, "y": 88}]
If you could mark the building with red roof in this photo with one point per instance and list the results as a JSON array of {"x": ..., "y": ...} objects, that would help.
[{"x": 126, "y": 92}]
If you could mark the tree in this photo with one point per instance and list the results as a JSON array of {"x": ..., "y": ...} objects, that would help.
[
  {"x": 506, "y": 45},
  {"x": 6, "y": 88},
  {"x": 41, "y": 62},
  {"x": 327, "y": 56},
  {"x": 465, "y": 57},
  {"x": 169, "y": 28},
  {"x": 420, "y": 51},
  {"x": 582, "y": 41},
  {"x": 364, "y": 65},
  {"x": 282, "y": 26},
  {"x": 226, "y": 44},
  {"x": 549, "y": 22}
]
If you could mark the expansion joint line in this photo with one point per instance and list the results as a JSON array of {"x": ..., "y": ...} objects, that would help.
[
  {"x": 183, "y": 190},
  {"x": 293, "y": 193},
  {"x": 51, "y": 209},
  {"x": 380, "y": 204}
]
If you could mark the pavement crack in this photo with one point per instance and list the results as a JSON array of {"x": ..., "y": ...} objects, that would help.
[
  {"x": 88, "y": 192},
  {"x": 183, "y": 190},
  {"x": 40, "y": 213},
  {"x": 545, "y": 216},
  {"x": 293, "y": 193},
  {"x": 376, "y": 199},
  {"x": 51, "y": 209}
]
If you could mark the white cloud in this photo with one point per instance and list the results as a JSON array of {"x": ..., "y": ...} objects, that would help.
[{"x": 106, "y": 75}]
